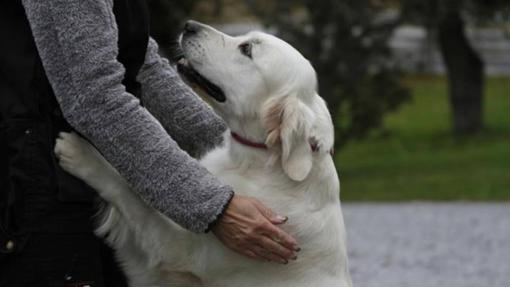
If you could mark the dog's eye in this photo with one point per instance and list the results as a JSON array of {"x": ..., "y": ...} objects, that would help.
[{"x": 245, "y": 49}]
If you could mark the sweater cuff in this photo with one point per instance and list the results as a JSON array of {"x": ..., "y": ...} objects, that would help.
[{"x": 222, "y": 211}]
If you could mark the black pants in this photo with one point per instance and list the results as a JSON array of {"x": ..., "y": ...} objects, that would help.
[{"x": 61, "y": 260}]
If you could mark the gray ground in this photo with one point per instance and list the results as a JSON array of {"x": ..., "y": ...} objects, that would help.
[{"x": 429, "y": 245}]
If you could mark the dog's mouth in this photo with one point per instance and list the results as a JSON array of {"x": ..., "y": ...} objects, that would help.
[{"x": 194, "y": 77}]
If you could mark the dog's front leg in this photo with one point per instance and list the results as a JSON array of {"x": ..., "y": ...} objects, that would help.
[
  {"x": 162, "y": 240},
  {"x": 78, "y": 157}
]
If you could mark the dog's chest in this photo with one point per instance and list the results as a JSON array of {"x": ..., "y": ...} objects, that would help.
[
  {"x": 245, "y": 176},
  {"x": 306, "y": 203},
  {"x": 313, "y": 208}
]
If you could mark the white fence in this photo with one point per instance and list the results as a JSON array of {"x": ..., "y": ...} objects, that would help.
[{"x": 415, "y": 51}]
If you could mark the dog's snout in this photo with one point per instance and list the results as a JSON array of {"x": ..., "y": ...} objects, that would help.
[{"x": 191, "y": 27}]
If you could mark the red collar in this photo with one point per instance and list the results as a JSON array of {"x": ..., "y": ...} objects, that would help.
[{"x": 247, "y": 142}]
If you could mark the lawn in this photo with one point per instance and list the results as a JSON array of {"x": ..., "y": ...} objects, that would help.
[{"x": 416, "y": 158}]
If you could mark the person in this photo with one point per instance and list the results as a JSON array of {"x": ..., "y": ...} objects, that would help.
[{"x": 85, "y": 66}]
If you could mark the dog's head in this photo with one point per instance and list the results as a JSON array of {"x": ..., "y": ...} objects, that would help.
[{"x": 264, "y": 89}]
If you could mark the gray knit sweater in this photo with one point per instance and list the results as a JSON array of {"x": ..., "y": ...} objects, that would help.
[{"x": 77, "y": 42}]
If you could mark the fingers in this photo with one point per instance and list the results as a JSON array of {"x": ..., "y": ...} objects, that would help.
[
  {"x": 277, "y": 252},
  {"x": 276, "y": 241},
  {"x": 269, "y": 256},
  {"x": 269, "y": 214},
  {"x": 253, "y": 255},
  {"x": 248, "y": 227},
  {"x": 281, "y": 237}
]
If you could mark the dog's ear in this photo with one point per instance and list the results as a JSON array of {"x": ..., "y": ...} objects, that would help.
[{"x": 288, "y": 122}]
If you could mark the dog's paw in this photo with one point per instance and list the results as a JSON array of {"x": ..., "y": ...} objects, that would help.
[{"x": 77, "y": 156}]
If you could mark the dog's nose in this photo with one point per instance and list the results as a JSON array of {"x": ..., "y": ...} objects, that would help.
[{"x": 191, "y": 27}]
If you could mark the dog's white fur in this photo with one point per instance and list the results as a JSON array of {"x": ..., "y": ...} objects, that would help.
[{"x": 271, "y": 98}]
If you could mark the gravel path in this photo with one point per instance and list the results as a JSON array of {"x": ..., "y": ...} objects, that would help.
[{"x": 429, "y": 245}]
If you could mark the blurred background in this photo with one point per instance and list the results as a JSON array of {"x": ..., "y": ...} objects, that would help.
[{"x": 420, "y": 96}]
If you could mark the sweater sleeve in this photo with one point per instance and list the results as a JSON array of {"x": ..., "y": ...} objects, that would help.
[
  {"x": 188, "y": 119},
  {"x": 77, "y": 43}
]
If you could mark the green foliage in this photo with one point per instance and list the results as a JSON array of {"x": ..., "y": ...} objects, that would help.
[
  {"x": 346, "y": 41},
  {"x": 418, "y": 159}
]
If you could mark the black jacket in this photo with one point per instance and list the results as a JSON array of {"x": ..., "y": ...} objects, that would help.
[{"x": 35, "y": 194}]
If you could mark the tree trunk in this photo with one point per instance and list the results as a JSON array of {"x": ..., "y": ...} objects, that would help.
[
  {"x": 218, "y": 8},
  {"x": 465, "y": 74}
]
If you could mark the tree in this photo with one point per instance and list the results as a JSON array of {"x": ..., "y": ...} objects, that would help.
[
  {"x": 465, "y": 68},
  {"x": 346, "y": 41}
]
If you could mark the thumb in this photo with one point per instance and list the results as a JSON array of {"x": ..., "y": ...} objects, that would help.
[{"x": 269, "y": 214}]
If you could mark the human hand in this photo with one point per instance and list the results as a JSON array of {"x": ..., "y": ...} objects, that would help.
[{"x": 248, "y": 227}]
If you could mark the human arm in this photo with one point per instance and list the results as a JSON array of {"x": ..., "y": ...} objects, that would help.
[
  {"x": 77, "y": 43},
  {"x": 187, "y": 118}
]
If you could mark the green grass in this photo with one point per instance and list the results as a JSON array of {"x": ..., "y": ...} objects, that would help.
[{"x": 417, "y": 158}]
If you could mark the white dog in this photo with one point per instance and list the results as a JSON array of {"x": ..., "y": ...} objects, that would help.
[{"x": 278, "y": 150}]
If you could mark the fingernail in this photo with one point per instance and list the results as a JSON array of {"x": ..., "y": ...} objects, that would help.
[
  {"x": 285, "y": 262},
  {"x": 297, "y": 249},
  {"x": 282, "y": 219},
  {"x": 294, "y": 258}
]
